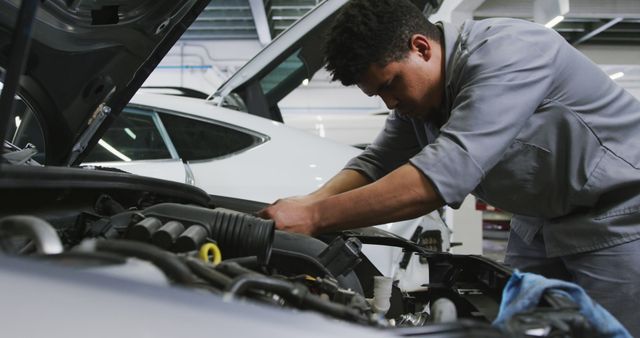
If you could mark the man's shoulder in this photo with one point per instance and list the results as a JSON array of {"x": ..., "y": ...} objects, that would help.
[
  {"x": 506, "y": 27},
  {"x": 499, "y": 33}
]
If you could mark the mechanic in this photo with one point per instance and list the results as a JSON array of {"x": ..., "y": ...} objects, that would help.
[{"x": 503, "y": 109}]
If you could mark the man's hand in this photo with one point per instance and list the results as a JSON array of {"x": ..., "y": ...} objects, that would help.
[
  {"x": 294, "y": 214},
  {"x": 403, "y": 194},
  {"x": 297, "y": 214}
]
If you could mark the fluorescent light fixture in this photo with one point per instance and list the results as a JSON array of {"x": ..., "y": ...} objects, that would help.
[
  {"x": 554, "y": 21},
  {"x": 305, "y": 82},
  {"x": 113, "y": 150},
  {"x": 550, "y": 12},
  {"x": 617, "y": 75},
  {"x": 320, "y": 129},
  {"x": 130, "y": 133}
]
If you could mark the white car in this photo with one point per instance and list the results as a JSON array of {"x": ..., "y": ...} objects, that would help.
[
  {"x": 234, "y": 154},
  {"x": 220, "y": 151}
]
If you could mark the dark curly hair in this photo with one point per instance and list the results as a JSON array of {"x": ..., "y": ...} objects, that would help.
[{"x": 373, "y": 31}]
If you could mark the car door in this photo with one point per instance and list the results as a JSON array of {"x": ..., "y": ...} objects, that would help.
[{"x": 138, "y": 143}]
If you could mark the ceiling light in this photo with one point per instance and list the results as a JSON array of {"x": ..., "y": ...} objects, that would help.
[
  {"x": 550, "y": 12},
  {"x": 554, "y": 21},
  {"x": 113, "y": 150},
  {"x": 130, "y": 133},
  {"x": 617, "y": 75}
]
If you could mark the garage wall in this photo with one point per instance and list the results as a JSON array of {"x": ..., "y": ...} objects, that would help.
[{"x": 202, "y": 65}]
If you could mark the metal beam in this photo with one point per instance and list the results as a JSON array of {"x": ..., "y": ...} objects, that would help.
[
  {"x": 456, "y": 11},
  {"x": 260, "y": 19},
  {"x": 596, "y": 31}
]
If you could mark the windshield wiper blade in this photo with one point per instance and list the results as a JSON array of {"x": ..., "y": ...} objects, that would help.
[{"x": 14, "y": 155}]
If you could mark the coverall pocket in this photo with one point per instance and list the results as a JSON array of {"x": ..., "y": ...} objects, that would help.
[{"x": 522, "y": 182}]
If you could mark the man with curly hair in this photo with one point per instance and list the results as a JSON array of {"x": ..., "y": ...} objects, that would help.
[{"x": 505, "y": 110}]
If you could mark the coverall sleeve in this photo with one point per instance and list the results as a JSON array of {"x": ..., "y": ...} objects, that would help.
[{"x": 393, "y": 146}]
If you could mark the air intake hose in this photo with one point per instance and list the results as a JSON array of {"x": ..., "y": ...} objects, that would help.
[{"x": 237, "y": 234}]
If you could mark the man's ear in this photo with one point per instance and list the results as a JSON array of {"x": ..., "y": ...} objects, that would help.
[{"x": 420, "y": 44}]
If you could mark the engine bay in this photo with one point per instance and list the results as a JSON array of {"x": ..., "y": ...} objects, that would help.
[{"x": 173, "y": 235}]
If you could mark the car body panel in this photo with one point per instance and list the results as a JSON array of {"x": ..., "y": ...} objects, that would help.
[
  {"x": 172, "y": 170},
  {"x": 123, "y": 308}
]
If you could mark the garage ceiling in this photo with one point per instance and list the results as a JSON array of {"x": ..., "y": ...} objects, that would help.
[
  {"x": 589, "y": 23},
  {"x": 612, "y": 22},
  {"x": 242, "y": 19}
]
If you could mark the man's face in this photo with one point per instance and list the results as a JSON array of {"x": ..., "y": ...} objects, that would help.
[{"x": 413, "y": 86}]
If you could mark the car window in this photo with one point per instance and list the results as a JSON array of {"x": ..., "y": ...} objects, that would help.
[
  {"x": 24, "y": 128},
  {"x": 199, "y": 140},
  {"x": 134, "y": 135}
]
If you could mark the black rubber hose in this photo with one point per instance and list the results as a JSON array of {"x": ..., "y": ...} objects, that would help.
[
  {"x": 237, "y": 234},
  {"x": 337, "y": 310},
  {"x": 296, "y": 294},
  {"x": 249, "y": 281},
  {"x": 208, "y": 274},
  {"x": 250, "y": 262},
  {"x": 173, "y": 267},
  {"x": 234, "y": 269}
]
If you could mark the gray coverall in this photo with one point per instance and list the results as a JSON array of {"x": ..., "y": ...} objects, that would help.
[{"x": 531, "y": 126}]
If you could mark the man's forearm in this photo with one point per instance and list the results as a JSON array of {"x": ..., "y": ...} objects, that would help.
[
  {"x": 345, "y": 180},
  {"x": 403, "y": 194}
]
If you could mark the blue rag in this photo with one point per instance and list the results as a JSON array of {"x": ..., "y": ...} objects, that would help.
[{"x": 524, "y": 290}]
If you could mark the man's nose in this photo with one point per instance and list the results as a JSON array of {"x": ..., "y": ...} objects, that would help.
[{"x": 389, "y": 100}]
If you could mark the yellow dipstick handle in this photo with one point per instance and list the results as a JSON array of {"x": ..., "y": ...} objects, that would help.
[{"x": 210, "y": 248}]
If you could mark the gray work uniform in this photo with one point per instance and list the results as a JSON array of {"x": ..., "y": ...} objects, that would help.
[{"x": 530, "y": 126}]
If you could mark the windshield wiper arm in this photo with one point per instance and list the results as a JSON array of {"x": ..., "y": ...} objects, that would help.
[{"x": 14, "y": 155}]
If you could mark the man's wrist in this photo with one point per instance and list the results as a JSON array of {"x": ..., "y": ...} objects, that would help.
[{"x": 318, "y": 217}]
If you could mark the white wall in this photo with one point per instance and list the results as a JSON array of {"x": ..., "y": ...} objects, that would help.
[
  {"x": 466, "y": 224},
  {"x": 202, "y": 65}
]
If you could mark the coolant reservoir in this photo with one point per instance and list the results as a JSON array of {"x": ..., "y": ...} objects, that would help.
[{"x": 381, "y": 294}]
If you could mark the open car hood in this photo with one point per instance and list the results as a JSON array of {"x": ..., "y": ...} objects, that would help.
[
  {"x": 298, "y": 34},
  {"x": 87, "y": 59}
]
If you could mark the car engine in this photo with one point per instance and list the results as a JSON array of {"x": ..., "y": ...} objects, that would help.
[{"x": 175, "y": 235}]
